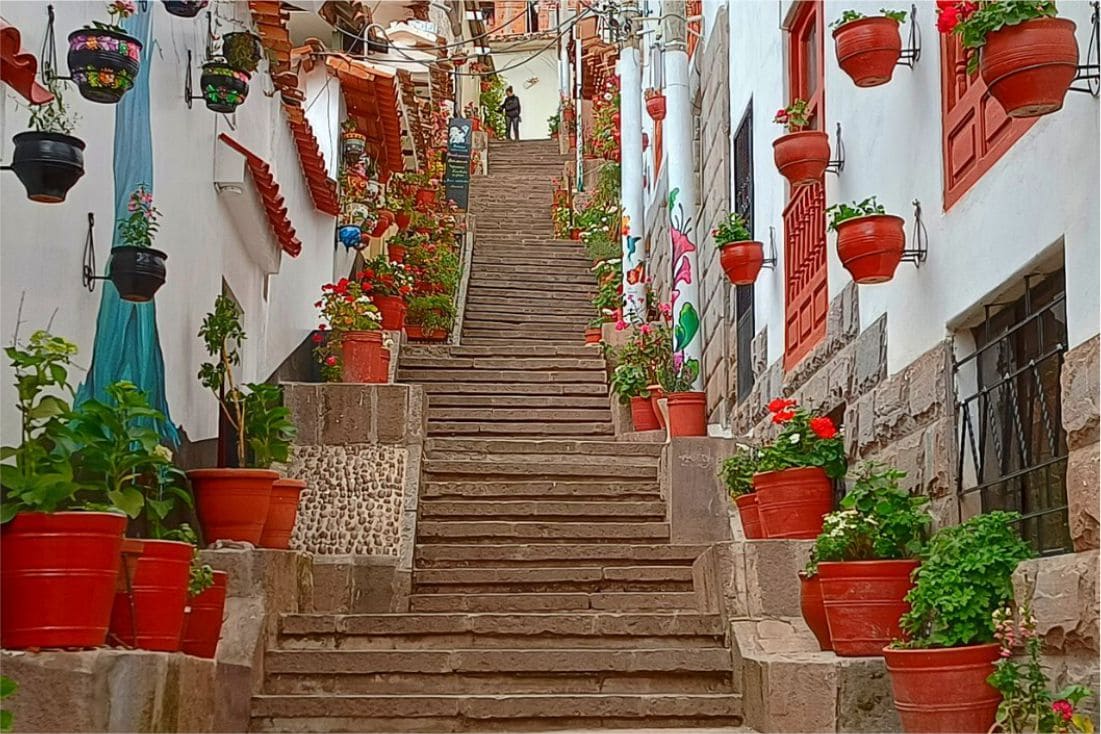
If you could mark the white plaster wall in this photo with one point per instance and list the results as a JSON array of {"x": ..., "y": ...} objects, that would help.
[
  {"x": 1042, "y": 191},
  {"x": 539, "y": 101},
  {"x": 41, "y": 244}
]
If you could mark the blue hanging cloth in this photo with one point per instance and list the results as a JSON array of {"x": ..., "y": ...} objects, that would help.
[{"x": 127, "y": 346}]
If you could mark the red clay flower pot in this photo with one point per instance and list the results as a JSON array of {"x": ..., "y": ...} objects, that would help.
[
  {"x": 944, "y": 689},
  {"x": 792, "y": 502},
  {"x": 688, "y": 413},
  {"x": 814, "y": 612},
  {"x": 802, "y": 157},
  {"x": 750, "y": 515},
  {"x": 403, "y": 219},
  {"x": 868, "y": 50},
  {"x": 416, "y": 332},
  {"x": 151, "y": 615},
  {"x": 642, "y": 415},
  {"x": 203, "y": 625},
  {"x": 385, "y": 219},
  {"x": 57, "y": 578},
  {"x": 129, "y": 553},
  {"x": 593, "y": 335},
  {"x": 655, "y": 107},
  {"x": 742, "y": 261},
  {"x": 575, "y": 234},
  {"x": 871, "y": 247},
  {"x": 393, "y": 310},
  {"x": 232, "y": 503},
  {"x": 282, "y": 513},
  {"x": 864, "y": 600},
  {"x": 365, "y": 359},
  {"x": 426, "y": 198},
  {"x": 1028, "y": 67},
  {"x": 656, "y": 396},
  {"x": 396, "y": 253}
]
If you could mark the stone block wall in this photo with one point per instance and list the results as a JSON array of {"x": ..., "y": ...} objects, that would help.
[{"x": 1080, "y": 402}]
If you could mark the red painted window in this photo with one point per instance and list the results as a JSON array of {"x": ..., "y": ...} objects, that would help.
[
  {"x": 695, "y": 27},
  {"x": 976, "y": 129},
  {"x": 806, "y": 295}
]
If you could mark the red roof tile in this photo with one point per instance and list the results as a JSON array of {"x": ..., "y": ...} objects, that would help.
[
  {"x": 19, "y": 66},
  {"x": 274, "y": 207},
  {"x": 322, "y": 188},
  {"x": 371, "y": 96}
]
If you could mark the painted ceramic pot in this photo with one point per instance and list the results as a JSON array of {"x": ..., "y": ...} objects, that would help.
[
  {"x": 185, "y": 8},
  {"x": 224, "y": 88},
  {"x": 103, "y": 63},
  {"x": 349, "y": 235}
]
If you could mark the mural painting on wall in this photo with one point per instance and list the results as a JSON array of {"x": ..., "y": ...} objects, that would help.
[
  {"x": 686, "y": 320},
  {"x": 634, "y": 272}
]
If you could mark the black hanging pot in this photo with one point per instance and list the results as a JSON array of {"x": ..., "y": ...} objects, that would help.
[
  {"x": 185, "y": 8},
  {"x": 103, "y": 63},
  {"x": 224, "y": 88},
  {"x": 48, "y": 164},
  {"x": 242, "y": 51},
  {"x": 137, "y": 272}
]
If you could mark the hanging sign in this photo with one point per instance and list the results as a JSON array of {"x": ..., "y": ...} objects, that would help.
[{"x": 456, "y": 175}]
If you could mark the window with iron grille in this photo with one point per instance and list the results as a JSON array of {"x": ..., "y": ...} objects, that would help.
[
  {"x": 1012, "y": 446},
  {"x": 744, "y": 317}
]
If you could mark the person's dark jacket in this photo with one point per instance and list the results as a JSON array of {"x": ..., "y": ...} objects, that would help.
[{"x": 511, "y": 106}]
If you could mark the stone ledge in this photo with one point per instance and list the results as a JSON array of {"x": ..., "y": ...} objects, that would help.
[
  {"x": 699, "y": 507},
  {"x": 751, "y": 578},
  {"x": 338, "y": 413},
  {"x": 350, "y": 584}
]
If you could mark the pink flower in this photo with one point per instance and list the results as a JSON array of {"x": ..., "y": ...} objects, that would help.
[
  {"x": 644, "y": 329},
  {"x": 620, "y": 325},
  {"x": 1064, "y": 708},
  {"x": 318, "y": 337}
]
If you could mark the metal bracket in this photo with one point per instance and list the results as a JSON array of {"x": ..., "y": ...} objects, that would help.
[
  {"x": 88, "y": 271},
  {"x": 912, "y": 53},
  {"x": 837, "y": 165},
  {"x": 920, "y": 238},
  {"x": 1090, "y": 72},
  {"x": 770, "y": 261},
  {"x": 49, "y": 52},
  {"x": 188, "y": 89}
]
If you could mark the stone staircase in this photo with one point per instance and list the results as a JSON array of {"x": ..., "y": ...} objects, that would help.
[{"x": 546, "y": 593}]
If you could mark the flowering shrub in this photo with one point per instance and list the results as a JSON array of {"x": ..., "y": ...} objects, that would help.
[
  {"x": 648, "y": 346},
  {"x": 1027, "y": 704},
  {"x": 973, "y": 20},
  {"x": 878, "y": 520},
  {"x": 732, "y": 229},
  {"x": 604, "y": 140},
  {"x": 380, "y": 277},
  {"x": 794, "y": 117},
  {"x": 139, "y": 229},
  {"x": 737, "y": 471},
  {"x": 609, "y": 291},
  {"x": 346, "y": 306},
  {"x": 805, "y": 440}
]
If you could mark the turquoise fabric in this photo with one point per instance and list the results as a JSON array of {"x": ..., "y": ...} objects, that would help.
[{"x": 127, "y": 346}]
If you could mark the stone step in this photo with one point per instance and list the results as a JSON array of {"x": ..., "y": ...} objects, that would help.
[
  {"x": 481, "y": 631},
  {"x": 511, "y": 376},
  {"x": 489, "y": 531},
  {"x": 547, "y": 415},
  {"x": 497, "y": 294},
  {"x": 568, "y": 259},
  {"x": 517, "y": 353},
  {"x": 485, "y": 339},
  {"x": 464, "y": 448},
  {"x": 508, "y": 602},
  {"x": 557, "y": 286},
  {"x": 578, "y": 271},
  {"x": 524, "y": 466},
  {"x": 544, "y": 555},
  {"x": 491, "y": 712},
  {"x": 519, "y": 429},
  {"x": 593, "y": 579},
  {"x": 545, "y": 509},
  {"x": 541, "y": 331},
  {"x": 499, "y": 318},
  {"x": 593, "y": 362},
  {"x": 578, "y": 313},
  {"x": 511, "y": 388},
  {"x": 506, "y": 401},
  {"x": 541, "y": 488}
]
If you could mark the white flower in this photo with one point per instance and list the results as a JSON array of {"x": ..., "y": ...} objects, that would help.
[
  {"x": 795, "y": 437},
  {"x": 163, "y": 452}
]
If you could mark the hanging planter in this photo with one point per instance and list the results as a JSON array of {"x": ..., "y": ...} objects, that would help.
[
  {"x": 203, "y": 623},
  {"x": 48, "y": 164},
  {"x": 224, "y": 88},
  {"x": 232, "y": 503},
  {"x": 282, "y": 512},
  {"x": 742, "y": 261},
  {"x": 352, "y": 145},
  {"x": 802, "y": 157},
  {"x": 688, "y": 413},
  {"x": 393, "y": 309},
  {"x": 814, "y": 611},
  {"x": 863, "y": 602},
  {"x": 870, "y": 243},
  {"x": 385, "y": 219},
  {"x": 364, "y": 358},
  {"x": 792, "y": 502},
  {"x": 151, "y": 615},
  {"x": 185, "y": 8},
  {"x": 750, "y": 516},
  {"x": 242, "y": 50},
  {"x": 655, "y": 105},
  {"x": 103, "y": 63},
  {"x": 58, "y": 572},
  {"x": 642, "y": 414},
  {"x": 137, "y": 272},
  {"x": 868, "y": 49},
  {"x": 1029, "y": 67},
  {"x": 350, "y": 235}
]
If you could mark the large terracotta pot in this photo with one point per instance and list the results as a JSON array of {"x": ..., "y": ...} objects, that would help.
[
  {"x": 129, "y": 553},
  {"x": 802, "y": 157},
  {"x": 864, "y": 600},
  {"x": 385, "y": 219},
  {"x": 57, "y": 578},
  {"x": 792, "y": 502},
  {"x": 393, "y": 310},
  {"x": 750, "y": 516},
  {"x": 365, "y": 360},
  {"x": 396, "y": 253},
  {"x": 282, "y": 512},
  {"x": 688, "y": 413},
  {"x": 868, "y": 50},
  {"x": 403, "y": 218},
  {"x": 742, "y": 261},
  {"x": 426, "y": 198},
  {"x": 416, "y": 332},
  {"x": 814, "y": 612},
  {"x": 592, "y": 335},
  {"x": 232, "y": 503},
  {"x": 656, "y": 396},
  {"x": 1028, "y": 67},
  {"x": 151, "y": 615},
  {"x": 642, "y": 414},
  {"x": 944, "y": 689},
  {"x": 203, "y": 625},
  {"x": 871, "y": 247}
]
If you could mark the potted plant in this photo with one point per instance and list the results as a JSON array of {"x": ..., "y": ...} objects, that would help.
[
  {"x": 242, "y": 50},
  {"x": 47, "y": 159},
  {"x": 185, "y": 8},
  {"x": 629, "y": 384},
  {"x": 205, "y": 609},
  {"x": 870, "y": 242},
  {"x": 354, "y": 350},
  {"x": 389, "y": 284},
  {"x": 795, "y": 472},
  {"x": 398, "y": 246},
  {"x": 61, "y": 536},
  {"x": 223, "y": 86},
  {"x": 868, "y": 48},
  {"x": 939, "y": 675},
  {"x": 431, "y": 317},
  {"x": 283, "y": 511},
  {"x": 736, "y": 473},
  {"x": 865, "y": 556},
  {"x": 1026, "y": 55},
  {"x": 1028, "y": 705},
  {"x": 136, "y": 269},
  {"x": 687, "y": 407},
  {"x": 233, "y": 501},
  {"x": 384, "y": 218},
  {"x": 655, "y": 104},
  {"x": 103, "y": 59},
  {"x": 802, "y": 155},
  {"x": 740, "y": 256},
  {"x": 813, "y": 609}
]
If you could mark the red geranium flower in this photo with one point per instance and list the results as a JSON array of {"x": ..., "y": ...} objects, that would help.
[
  {"x": 947, "y": 19},
  {"x": 779, "y": 404},
  {"x": 330, "y": 360},
  {"x": 318, "y": 337},
  {"x": 783, "y": 416},
  {"x": 823, "y": 427}
]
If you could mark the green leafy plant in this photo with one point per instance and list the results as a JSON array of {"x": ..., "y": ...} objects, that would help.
[
  {"x": 434, "y": 312},
  {"x": 1027, "y": 702},
  {"x": 878, "y": 520},
  {"x": 849, "y": 16},
  {"x": 268, "y": 425},
  {"x": 139, "y": 229},
  {"x": 600, "y": 246},
  {"x": 794, "y": 117},
  {"x": 629, "y": 381},
  {"x": 609, "y": 291},
  {"x": 553, "y": 123},
  {"x": 678, "y": 375},
  {"x": 493, "y": 94},
  {"x": 965, "y": 575},
  {"x": 732, "y": 229},
  {"x": 737, "y": 471},
  {"x": 973, "y": 20},
  {"x": 805, "y": 440},
  {"x": 7, "y": 688},
  {"x": 839, "y": 213},
  {"x": 53, "y": 116}
]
